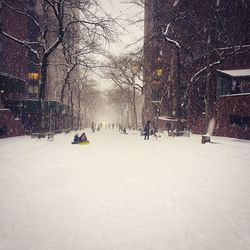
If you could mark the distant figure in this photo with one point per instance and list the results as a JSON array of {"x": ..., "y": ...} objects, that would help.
[
  {"x": 124, "y": 131},
  {"x": 83, "y": 138},
  {"x": 76, "y": 139},
  {"x": 146, "y": 130},
  {"x": 93, "y": 127}
]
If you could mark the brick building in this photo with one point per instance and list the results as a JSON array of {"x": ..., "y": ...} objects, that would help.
[
  {"x": 14, "y": 57},
  {"x": 13, "y": 67},
  {"x": 20, "y": 71},
  {"x": 185, "y": 44}
]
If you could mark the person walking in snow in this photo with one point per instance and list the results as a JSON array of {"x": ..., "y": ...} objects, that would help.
[{"x": 146, "y": 130}]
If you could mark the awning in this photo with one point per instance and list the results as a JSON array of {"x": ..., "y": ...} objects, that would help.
[
  {"x": 167, "y": 118},
  {"x": 170, "y": 119},
  {"x": 11, "y": 83},
  {"x": 236, "y": 72}
]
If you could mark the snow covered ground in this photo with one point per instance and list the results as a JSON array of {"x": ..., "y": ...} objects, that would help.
[{"x": 124, "y": 193}]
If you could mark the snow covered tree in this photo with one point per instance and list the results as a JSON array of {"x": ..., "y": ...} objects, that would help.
[
  {"x": 189, "y": 40},
  {"x": 126, "y": 72},
  {"x": 52, "y": 21}
]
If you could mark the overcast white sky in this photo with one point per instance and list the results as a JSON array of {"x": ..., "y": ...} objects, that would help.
[
  {"x": 129, "y": 35},
  {"x": 119, "y": 8}
]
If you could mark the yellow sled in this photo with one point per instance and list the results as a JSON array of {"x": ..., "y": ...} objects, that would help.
[{"x": 84, "y": 142}]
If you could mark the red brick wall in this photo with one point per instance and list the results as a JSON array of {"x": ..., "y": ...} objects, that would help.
[
  {"x": 193, "y": 38},
  {"x": 226, "y": 106},
  {"x": 236, "y": 105},
  {"x": 14, "y": 56}
]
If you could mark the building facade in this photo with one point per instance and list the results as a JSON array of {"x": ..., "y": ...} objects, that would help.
[
  {"x": 20, "y": 68},
  {"x": 185, "y": 44},
  {"x": 14, "y": 57}
]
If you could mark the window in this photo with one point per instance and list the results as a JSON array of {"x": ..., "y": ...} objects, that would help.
[
  {"x": 36, "y": 89},
  {"x": 239, "y": 121},
  {"x": 156, "y": 95},
  {"x": 30, "y": 89},
  {"x": 218, "y": 87},
  {"x": 159, "y": 72},
  {"x": 226, "y": 86},
  {"x": 245, "y": 86},
  {"x": 223, "y": 86},
  {"x": 229, "y": 86}
]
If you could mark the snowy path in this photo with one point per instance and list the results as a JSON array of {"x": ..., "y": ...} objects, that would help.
[{"x": 124, "y": 193}]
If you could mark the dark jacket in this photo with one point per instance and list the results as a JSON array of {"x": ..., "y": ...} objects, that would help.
[
  {"x": 147, "y": 127},
  {"x": 76, "y": 139}
]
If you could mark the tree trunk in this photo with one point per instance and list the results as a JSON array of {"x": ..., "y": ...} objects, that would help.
[
  {"x": 62, "y": 122},
  {"x": 42, "y": 94},
  {"x": 71, "y": 108},
  {"x": 207, "y": 103},
  {"x": 177, "y": 90},
  {"x": 135, "y": 120},
  {"x": 79, "y": 109}
]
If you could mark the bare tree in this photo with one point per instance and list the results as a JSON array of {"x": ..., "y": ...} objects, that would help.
[
  {"x": 54, "y": 21},
  {"x": 126, "y": 72},
  {"x": 119, "y": 98},
  {"x": 77, "y": 51}
]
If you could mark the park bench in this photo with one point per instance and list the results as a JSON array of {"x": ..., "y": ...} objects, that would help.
[
  {"x": 185, "y": 133},
  {"x": 37, "y": 135}
]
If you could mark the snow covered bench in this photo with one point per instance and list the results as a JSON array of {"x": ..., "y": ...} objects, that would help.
[
  {"x": 37, "y": 135},
  {"x": 185, "y": 133}
]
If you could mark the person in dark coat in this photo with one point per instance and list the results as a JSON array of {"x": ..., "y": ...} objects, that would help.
[
  {"x": 146, "y": 130},
  {"x": 83, "y": 138},
  {"x": 76, "y": 139}
]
